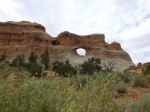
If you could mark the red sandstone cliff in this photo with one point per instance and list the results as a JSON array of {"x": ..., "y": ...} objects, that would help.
[{"x": 25, "y": 37}]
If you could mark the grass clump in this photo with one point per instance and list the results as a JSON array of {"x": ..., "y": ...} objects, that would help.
[
  {"x": 125, "y": 77},
  {"x": 121, "y": 87},
  {"x": 142, "y": 106},
  {"x": 138, "y": 81}
]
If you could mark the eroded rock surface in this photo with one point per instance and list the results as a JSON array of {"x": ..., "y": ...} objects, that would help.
[{"x": 25, "y": 37}]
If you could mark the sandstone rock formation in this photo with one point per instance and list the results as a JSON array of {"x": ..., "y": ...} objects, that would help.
[
  {"x": 146, "y": 64},
  {"x": 25, "y": 37},
  {"x": 139, "y": 64}
]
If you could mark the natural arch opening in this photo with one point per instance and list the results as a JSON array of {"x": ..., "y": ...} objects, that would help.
[{"x": 81, "y": 52}]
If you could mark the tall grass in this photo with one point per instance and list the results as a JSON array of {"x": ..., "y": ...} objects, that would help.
[
  {"x": 55, "y": 94},
  {"x": 142, "y": 106}
]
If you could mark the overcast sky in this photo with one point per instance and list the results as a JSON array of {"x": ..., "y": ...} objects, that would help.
[{"x": 124, "y": 21}]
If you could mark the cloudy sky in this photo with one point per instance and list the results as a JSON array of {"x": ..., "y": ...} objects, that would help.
[{"x": 124, "y": 21}]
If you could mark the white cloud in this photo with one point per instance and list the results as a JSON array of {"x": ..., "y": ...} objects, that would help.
[
  {"x": 135, "y": 31},
  {"x": 120, "y": 20},
  {"x": 10, "y": 9}
]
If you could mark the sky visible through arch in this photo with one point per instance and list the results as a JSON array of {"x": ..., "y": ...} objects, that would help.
[{"x": 124, "y": 21}]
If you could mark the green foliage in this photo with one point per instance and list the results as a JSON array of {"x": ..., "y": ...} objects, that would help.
[
  {"x": 45, "y": 59},
  {"x": 64, "y": 69},
  {"x": 132, "y": 68},
  {"x": 19, "y": 61},
  {"x": 4, "y": 65},
  {"x": 90, "y": 66},
  {"x": 142, "y": 106},
  {"x": 36, "y": 70},
  {"x": 138, "y": 81},
  {"x": 33, "y": 67},
  {"x": 81, "y": 81},
  {"x": 32, "y": 59},
  {"x": 147, "y": 70},
  {"x": 3, "y": 57},
  {"x": 59, "y": 94},
  {"x": 126, "y": 77},
  {"x": 120, "y": 87}
]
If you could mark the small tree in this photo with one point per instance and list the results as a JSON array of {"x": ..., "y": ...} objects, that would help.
[
  {"x": 36, "y": 71},
  {"x": 3, "y": 57},
  {"x": 90, "y": 66},
  {"x": 109, "y": 66},
  {"x": 64, "y": 69},
  {"x": 45, "y": 59},
  {"x": 19, "y": 61},
  {"x": 32, "y": 59},
  {"x": 33, "y": 67}
]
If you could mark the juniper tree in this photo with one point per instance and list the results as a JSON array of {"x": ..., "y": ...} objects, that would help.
[
  {"x": 3, "y": 57},
  {"x": 45, "y": 59},
  {"x": 19, "y": 61},
  {"x": 90, "y": 66},
  {"x": 32, "y": 59}
]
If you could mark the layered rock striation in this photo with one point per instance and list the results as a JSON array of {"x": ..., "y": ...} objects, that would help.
[{"x": 25, "y": 37}]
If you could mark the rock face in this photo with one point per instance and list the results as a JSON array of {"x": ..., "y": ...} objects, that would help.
[
  {"x": 139, "y": 64},
  {"x": 22, "y": 38},
  {"x": 25, "y": 37},
  {"x": 144, "y": 64}
]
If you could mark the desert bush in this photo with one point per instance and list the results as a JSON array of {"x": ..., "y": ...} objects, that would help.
[
  {"x": 81, "y": 81},
  {"x": 3, "y": 57},
  {"x": 147, "y": 70},
  {"x": 138, "y": 81},
  {"x": 142, "y": 106},
  {"x": 19, "y": 61},
  {"x": 109, "y": 66},
  {"x": 120, "y": 87},
  {"x": 45, "y": 59},
  {"x": 132, "y": 67},
  {"x": 125, "y": 77},
  {"x": 4, "y": 65},
  {"x": 33, "y": 59},
  {"x": 64, "y": 69},
  {"x": 90, "y": 66},
  {"x": 33, "y": 67},
  {"x": 57, "y": 94},
  {"x": 36, "y": 71}
]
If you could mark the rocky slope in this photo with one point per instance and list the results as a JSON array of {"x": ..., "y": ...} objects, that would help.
[{"x": 25, "y": 37}]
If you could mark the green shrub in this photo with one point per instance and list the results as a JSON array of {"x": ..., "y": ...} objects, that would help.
[
  {"x": 58, "y": 94},
  {"x": 145, "y": 103},
  {"x": 81, "y": 81},
  {"x": 120, "y": 87},
  {"x": 64, "y": 69},
  {"x": 90, "y": 66},
  {"x": 3, "y": 57},
  {"x": 147, "y": 70},
  {"x": 142, "y": 106},
  {"x": 125, "y": 77},
  {"x": 45, "y": 59},
  {"x": 36, "y": 71},
  {"x": 19, "y": 61},
  {"x": 33, "y": 67},
  {"x": 132, "y": 68},
  {"x": 138, "y": 81},
  {"x": 33, "y": 59}
]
